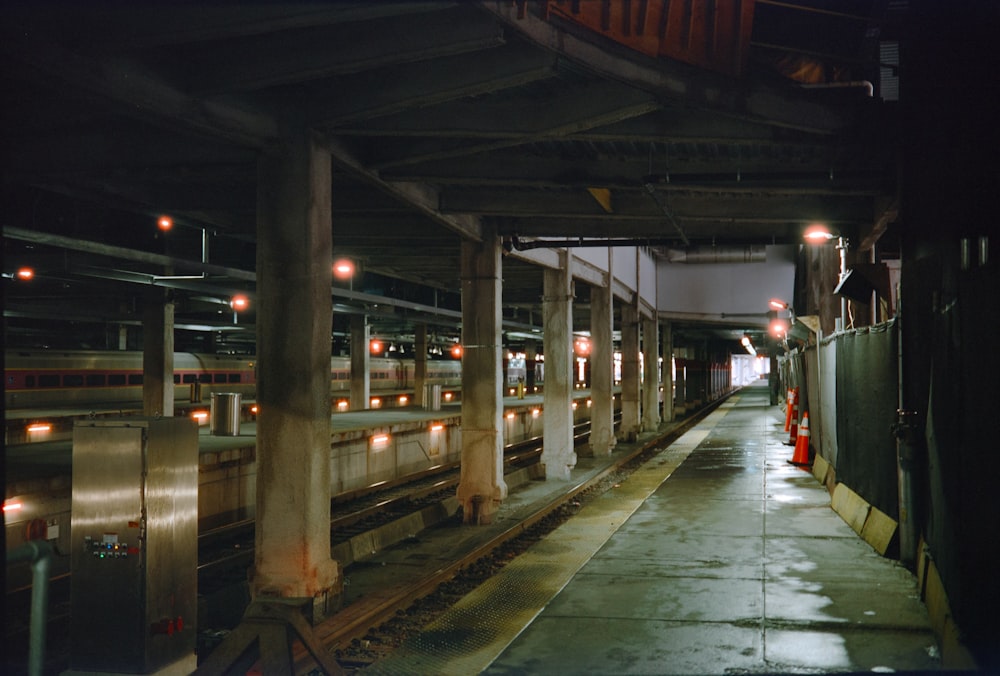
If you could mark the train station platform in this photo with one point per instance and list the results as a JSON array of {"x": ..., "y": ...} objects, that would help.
[{"x": 716, "y": 557}]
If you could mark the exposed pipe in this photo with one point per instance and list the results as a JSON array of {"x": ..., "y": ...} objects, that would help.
[
  {"x": 756, "y": 253},
  {"x": 868, "y": 86},
  {"x": 39, "y": 554}
]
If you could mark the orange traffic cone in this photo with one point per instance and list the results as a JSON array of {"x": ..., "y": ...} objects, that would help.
[
  {"x": 793, "y": 427},
  {"x": 801, "y": 455},
  {"x": 793, "y": 396}
]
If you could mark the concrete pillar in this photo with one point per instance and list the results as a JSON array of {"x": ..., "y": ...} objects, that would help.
[
  {"x": 419, "y": 364},
  {"x": 680, "y": 395},
  {"x": 602, "y": 398},
  {"x": 650, "y": 374},
  {"x": 294, "y": 250},
  {"x": 630, "y": 424},
  {"x": 558, "y": 455},
  {"x": 666, "y": 371},
  {"x": 481, "y": 487},
  {"x": 530, "y": 360},
  {"x": 158, "y": 357},
  {"x": 360, "y": 360}
]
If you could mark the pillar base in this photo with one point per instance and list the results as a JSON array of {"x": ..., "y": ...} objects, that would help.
[{"x": 316, "y": 601}]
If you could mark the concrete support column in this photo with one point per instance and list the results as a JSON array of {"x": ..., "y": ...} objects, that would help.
[
  {"x": 602, "y": 398},
  {"x": 666, "y": 371},
  {"x": 680, "y": 396},
  {"x": 558, "y": 455},
  {"x": 481, "y": 487},
  {"x": 419, "y": 364},
  {"x": 294, "y": 250},
  {"x": 629, "y": 430},
  {"x": 530, "y": 361},
  {"x": 650, "y": 374},
  {"x": 360, "y": 360},
  {"x": 158, "y": 357}
]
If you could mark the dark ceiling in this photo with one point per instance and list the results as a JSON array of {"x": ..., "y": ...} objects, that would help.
[{"x": 445, "y": 120}]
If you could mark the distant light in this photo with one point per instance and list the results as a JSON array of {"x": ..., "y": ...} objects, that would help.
[
  {"x": 342, "y": 405},
  {"x": 437, "y": 427},
  {"x": 343, "y": 268},
  {"x": 164, "y": 223},
  {"x": 239, "y": 303},
  {"x": 380, "y": 440},
  {"x": 777, "y": 304},
  {"x": 817, "y": 233},
  {"x": 535, "y": 412},
  {"x": 253, "y": 409},
  {"x": 375, "y": 346},
  {"x": 12, "y": 506},
  {"x": 200, "y": 416},
  {"x": 40, "y": 427},
  {"x": 779, "y": 328},
  {"x": 376, "y": 402},
  {"x": 510, "y": 415},
  {"x": 403, "y": 399},
  {"x": 745, "y": 341},
  {"x": 456, "y": 351},
  {"x": 25, "y": 274},
  {"x": 582, "y": 346},
  {"x": 574, "y": 405},
  {"x": 447, "y": 396}
]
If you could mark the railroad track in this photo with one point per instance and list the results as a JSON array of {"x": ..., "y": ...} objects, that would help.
[{"x": 360, "y": 617}]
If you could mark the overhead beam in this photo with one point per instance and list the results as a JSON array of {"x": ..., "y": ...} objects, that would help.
[
  {"x": 267, "y": 61},
  {"x": 131, "y": 90},
  {"x": 578, "y": 108},
  {"x": 757, "y": 102},
  {"x": 412, "y": 86},
  {"x": 423, "y": 198}
]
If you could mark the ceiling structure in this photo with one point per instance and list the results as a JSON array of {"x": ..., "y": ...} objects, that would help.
[{"x": 681, "y": 125}]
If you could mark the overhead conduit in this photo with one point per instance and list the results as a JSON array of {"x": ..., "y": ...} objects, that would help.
[{"x": 694, "y": 254}]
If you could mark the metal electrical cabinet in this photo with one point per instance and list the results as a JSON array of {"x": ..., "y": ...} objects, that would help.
[{"x": 135, "y": 544}]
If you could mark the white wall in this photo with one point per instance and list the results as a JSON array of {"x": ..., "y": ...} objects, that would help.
[{"x": 709, "y": 290}]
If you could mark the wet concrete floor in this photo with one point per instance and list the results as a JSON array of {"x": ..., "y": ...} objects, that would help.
[{"x": 719, "y": 557}]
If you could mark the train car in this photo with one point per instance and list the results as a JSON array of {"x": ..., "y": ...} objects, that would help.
[{"x": 53, "y": 379}]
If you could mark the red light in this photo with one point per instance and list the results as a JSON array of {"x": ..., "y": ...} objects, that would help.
[
  {"x": 817, "y": 233},
  {"x": 164, "y": 223},
  {"x": 343, "y": 268},
  {"x": 239, "y": 303},
  {"x": 24, "y": 274},
  {"x": 376, "y": 347},
  {"x": 456, "y": 351},
  {"x": 582, "y": 347}
]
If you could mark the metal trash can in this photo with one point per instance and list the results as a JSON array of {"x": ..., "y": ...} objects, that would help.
[
  {"x": 225, "y": 415},
  {"x": 432, "y": 397}
]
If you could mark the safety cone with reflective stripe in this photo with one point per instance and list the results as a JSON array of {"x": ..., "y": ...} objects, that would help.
[
  {"x": 792, "y": 398},
  {"x": 801, "y": 455},
  {"x": 793, "y": 428}
]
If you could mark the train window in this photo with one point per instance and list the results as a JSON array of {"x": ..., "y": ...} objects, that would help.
[
  {"x": 234, "y": 377},
  {"x": 29, "y": 381},
  {"x": 204, "y": 377},
  {"x": 96, "y": 380},
  {"x": 116, "y": 379},
  {"x": 190, "y": 378},
  {"x": 177, "y": 379},
  {"x": 48, "y": 380},
  {"x": 73, "y": 380},
  {"x": 220, "y": 378},
  {"x": 135, "y": 379}
]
